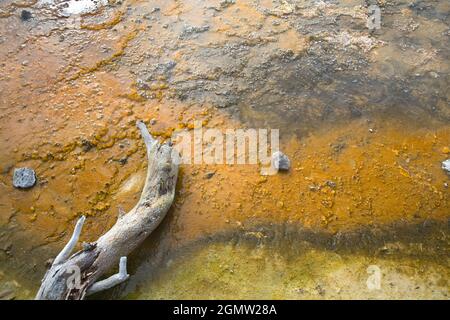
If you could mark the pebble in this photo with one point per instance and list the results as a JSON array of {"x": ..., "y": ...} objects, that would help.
[
  {"x": 280, "y": 161},
  {"x": 25, "y": 15},
  {"x": 446, "y": 165},
  {"x": 227, "y": 3},
  {"x": 434, "y": 74},
  {"x": 331, "y": 184},
  {"x": 190, "y": 30},
  {"x": 24, "y": 178},
  {"x": 209, "y": 175}
]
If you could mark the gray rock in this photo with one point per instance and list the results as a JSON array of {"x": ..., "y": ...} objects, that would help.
[
  {"x": 280, "y": 161},
  {"x": 227, "y": 3},
  {"x": 446, "y": 165},
  {"x": 331, "y": 184},
  {"x": 24, "y": 178},
  {"x": 209, "y": 175},
  {"x": 25, "y": 15},
  {"x": 188, "y": 31}
]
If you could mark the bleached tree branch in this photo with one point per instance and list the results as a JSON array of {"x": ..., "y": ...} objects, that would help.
[{"x": 126, "y": 234}]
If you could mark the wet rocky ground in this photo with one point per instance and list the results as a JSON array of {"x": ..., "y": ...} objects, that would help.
[{"x": 364, "y": 118}]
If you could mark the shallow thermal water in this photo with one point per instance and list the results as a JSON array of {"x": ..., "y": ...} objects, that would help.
[{"x": 364, "y": 117}]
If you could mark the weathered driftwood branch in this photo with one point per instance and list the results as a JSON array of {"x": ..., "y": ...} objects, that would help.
[{"x": 73, "y": 277}]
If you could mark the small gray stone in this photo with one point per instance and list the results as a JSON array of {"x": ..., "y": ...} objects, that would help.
[
  {"x": 209, "y": 175},
  {"x": 280, "y": 161},
  {"x": 227, "y": 3},
  {"x": 446, "y": 165},
  {"x": 24, "y": 178},
  {"x": 189, "y": 31},
  {"x": 331, "y": 184},
  {"x": 25, "y": 15}
]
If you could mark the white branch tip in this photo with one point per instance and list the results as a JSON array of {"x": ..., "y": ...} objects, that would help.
[{"x": 67, "y": 250}]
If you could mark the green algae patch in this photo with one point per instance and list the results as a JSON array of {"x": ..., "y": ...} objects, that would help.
[{"x": 230, "y": 271}]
